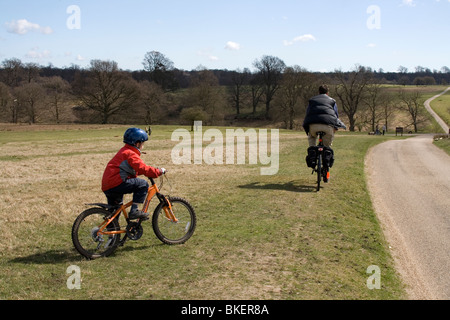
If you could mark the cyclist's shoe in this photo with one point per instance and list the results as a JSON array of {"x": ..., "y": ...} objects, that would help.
[
  {"x": 325, "y": 174},
  {"x": 138, "y": 214}
]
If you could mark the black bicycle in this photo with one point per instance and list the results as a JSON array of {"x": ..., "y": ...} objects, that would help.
[{"x": 321, "y": 159}]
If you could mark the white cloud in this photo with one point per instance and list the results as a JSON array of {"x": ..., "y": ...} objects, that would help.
[
  {"x": 208, "y": 55},
  {"x": 410, "y": 3},
  {"x": 232, "y": 46},
  {"x": 24, "y": 26},
  {"x": 371, "y": 45},
  {"x": 303, "y": 38},
  {"x": 79, "y": 57},
  {"x": 38, "y": 55}
]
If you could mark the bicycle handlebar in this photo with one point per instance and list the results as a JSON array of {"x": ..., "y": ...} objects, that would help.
[{"x": 161, "y": 177}]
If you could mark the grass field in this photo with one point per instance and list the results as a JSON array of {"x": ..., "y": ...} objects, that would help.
[
  {"x": 258, "y": 237},
  {"x": 444, "y": 144},
  {"x": 441, "y": 106}
]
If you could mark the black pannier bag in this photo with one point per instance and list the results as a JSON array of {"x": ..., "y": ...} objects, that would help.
[
  {"x": 311, "y": 157},
  {"x": 328, "y": 157}
]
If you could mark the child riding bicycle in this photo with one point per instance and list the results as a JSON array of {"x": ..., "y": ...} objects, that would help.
[{"x": 120, "y": 175}]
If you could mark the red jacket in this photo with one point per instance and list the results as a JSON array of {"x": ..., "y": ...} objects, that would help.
[{"x": 126, "y": 164}]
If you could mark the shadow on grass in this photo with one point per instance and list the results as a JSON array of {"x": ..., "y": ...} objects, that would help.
[
  {"x": 49, "y": 257},
  {"x": 70, "y": 255},
  {"x": 287, "y": 186}
]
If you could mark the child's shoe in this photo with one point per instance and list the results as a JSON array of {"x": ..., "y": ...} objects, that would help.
[{"x": 138, "y": 214}]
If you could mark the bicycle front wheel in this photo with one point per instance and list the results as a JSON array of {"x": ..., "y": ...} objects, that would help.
[
  {"x": 85, "y": 236},
  {"x": 177, "y": 232}
]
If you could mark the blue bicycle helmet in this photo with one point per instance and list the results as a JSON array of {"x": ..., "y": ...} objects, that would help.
[{"x": 134, "y": 135}]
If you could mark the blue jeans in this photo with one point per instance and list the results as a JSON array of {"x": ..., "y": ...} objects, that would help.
[{"x": 138, "y": 187}]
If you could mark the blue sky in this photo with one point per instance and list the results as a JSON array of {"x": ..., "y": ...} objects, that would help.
[{"x": 321, "y": 35}]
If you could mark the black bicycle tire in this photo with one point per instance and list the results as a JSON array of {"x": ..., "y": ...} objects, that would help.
[
  {"x": 319, "y": 171},
  {"x": 75, "y": 240},
  {"x": 159, "y": 210}
]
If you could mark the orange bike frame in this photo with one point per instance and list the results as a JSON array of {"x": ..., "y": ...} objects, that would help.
[{"x": 152, "y": 191}]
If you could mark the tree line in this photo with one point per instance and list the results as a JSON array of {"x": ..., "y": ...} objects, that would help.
[{"x": 161, "y": 94}]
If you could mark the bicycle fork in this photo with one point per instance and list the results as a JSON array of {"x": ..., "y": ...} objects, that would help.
[
  {"x": 167, "y": 207},
  {"x": 170, "y": 215}
]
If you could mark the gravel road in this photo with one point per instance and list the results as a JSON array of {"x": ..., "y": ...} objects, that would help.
[{"x": 410, "y": 189}]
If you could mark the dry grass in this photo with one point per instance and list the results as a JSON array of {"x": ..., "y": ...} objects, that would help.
[{"x": 258, "y": 237}]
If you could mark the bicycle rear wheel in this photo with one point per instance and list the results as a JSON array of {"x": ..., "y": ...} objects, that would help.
[
  {"x": 319, "y": 171},
  {"x": 178, "y": 232},
  {"x": 85, "y": 238}
]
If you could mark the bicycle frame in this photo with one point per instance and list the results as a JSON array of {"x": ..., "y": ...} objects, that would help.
[
  {"x": 319, "y": 166},
  {"x": 152, "y": 191}
]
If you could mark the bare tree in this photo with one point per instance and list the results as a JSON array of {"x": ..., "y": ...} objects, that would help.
[
  {"x": 237, "y": 89},
  {"x": 12, "y": 72},
  {"x": 57, "y": 90},
  {"x": 350, "y": 90},
  {"x": 6, "y": 100},
  {"x": 31, "y": 97},
  {"x": 257, "y": 91},
  {"x": 160, "y": 69},
  {"x": 205, "y": 93},
  {"x": 31, "y": 71},
  {"x": 295, "y": 85},
  {"x": 388, "y": 109},
  {"x": 107, "y": 90},
  {"x": 152, "y": 101},
  {"x": 271, "y": 70},
  {"x": 373, "y": 100},
  {"x": 413, "y": 102}
]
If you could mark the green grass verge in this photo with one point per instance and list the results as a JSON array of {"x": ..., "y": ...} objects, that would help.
[
  {"x": 444, "y": 144},
  {"x": 441, "y": 106}
]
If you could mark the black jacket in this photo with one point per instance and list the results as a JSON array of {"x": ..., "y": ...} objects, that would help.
[{"x": 322, "y": 109}]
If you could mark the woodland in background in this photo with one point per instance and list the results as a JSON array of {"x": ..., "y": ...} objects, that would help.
[{"x": 270, "y": 93}]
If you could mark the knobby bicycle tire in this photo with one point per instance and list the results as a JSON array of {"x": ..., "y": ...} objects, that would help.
[
  {"x": 174, "y": 232},
  {"x": 84, "y": 237}
]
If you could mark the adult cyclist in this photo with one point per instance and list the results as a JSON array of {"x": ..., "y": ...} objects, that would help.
[{"x": 321, "y": 115}]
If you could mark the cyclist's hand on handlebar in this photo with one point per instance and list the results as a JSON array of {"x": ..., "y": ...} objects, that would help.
[{"x": 162, "y": 171}]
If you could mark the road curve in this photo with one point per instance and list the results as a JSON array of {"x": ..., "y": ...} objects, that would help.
[
  {"x": 410, "y": 189},
  {"x": 434, "y": 114}
]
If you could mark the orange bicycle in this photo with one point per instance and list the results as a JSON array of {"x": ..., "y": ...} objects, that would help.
[{"x": 96, "y": 231}]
